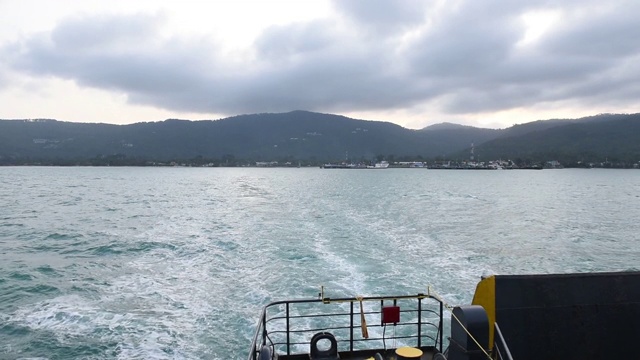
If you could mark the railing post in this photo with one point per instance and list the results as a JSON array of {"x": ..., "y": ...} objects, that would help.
[
  {"x": 440, "y": 327},
  {"x": 351, "y": 328},
  {"x": 264, "y": 332},
  {"x": 502, "y": 343},
  {"x": 291, "y": 338},
  {"x": 288, "y": 339},
  {"x": 419, "y": 322}
]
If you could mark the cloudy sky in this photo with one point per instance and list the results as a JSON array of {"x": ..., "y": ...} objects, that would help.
[{"x": 488, "y": 63}]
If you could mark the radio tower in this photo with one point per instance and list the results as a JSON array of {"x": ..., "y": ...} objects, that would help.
[{"x": 472, "y": 150}]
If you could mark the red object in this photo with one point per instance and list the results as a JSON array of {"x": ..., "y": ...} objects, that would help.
[{"x": 390, "y": 314}]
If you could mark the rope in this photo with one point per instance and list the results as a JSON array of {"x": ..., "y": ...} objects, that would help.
[
  {"x": 363, "y": 321},
  {"x": 450, "y": 308}
]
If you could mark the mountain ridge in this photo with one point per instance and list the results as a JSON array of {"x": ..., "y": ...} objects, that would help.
[{"x": 313, "y": 137}]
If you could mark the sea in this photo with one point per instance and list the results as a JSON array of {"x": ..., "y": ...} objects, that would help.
[{"x": 176, "y": 263}]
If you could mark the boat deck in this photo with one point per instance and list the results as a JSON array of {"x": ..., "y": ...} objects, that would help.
[
  {"x": 354, "y": 328},
  {"x": 427, "y": 354}
]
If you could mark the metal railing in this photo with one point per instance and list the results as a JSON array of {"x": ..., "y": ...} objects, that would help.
[
  {"x": 500, "y": 348},
  {"x": 287, "y": 326}
]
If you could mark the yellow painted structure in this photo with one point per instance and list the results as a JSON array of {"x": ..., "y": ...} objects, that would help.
[{"x": 485, "y": 296}]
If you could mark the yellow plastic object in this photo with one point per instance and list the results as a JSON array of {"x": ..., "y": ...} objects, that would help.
[
  {"x": 408, "y": 353},
  {"x": 485, "y": 296}
]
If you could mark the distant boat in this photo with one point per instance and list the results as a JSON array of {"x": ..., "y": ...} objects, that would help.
[
  {"x": 379, "y": 165},
  {"x": 343, "y": 166}
]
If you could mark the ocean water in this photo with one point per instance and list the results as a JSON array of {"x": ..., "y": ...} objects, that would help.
[{"x": 176, "y": 263}]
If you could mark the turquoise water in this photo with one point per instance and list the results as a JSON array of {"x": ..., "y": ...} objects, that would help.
[{"x": 175, "y": 263}]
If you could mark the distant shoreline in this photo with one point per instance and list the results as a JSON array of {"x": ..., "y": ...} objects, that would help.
[{"x": 185, "y": 165}]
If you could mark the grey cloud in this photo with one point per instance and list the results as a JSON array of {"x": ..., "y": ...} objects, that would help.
[
  {"x": 382, "y": 16},
  {"x": 605, "y": 33},
  {"x": 330, "y": 71},
  {"x": 104, "y": 33},
  {"x": 466, "y": 41},
  {"x": 281, "y": 43},
  {"x": 477, "y": 61},
  {"x": 462, "y": 58},
  {"x": 126, "y": 59},
  {"x": 616, "y": 85}
]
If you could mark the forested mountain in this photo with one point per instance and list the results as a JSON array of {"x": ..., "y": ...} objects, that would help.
[
  {"x": 312, "y": 138},
  {"x": 259, "y": 137},
  {"x": 606, "y": 138}
]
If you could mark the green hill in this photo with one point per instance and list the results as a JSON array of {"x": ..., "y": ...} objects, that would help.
[
  {"x": 604, "y": 138},
  {"x": 313, "y": 138}
]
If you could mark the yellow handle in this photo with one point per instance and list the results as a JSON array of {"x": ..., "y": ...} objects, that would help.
[{"x": 363, "y": 321}]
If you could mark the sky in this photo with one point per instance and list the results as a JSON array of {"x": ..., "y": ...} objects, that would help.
[{"x": 485, "y": 63}]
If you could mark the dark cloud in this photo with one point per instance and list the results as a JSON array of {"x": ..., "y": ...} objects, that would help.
[
  {"x": 380, "y": 55},
  {"x": 474, "y": 53},
  {"x": 289, "y": 43},
  {"x": 385, "y": 17},
  {"x": 124, "y": 54},
  {"x": 599, "y": 31},
  {"x": 465, "y": 42},
  {"x": 104, "y": 34},
  {"x": 332, "y": 70}
]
